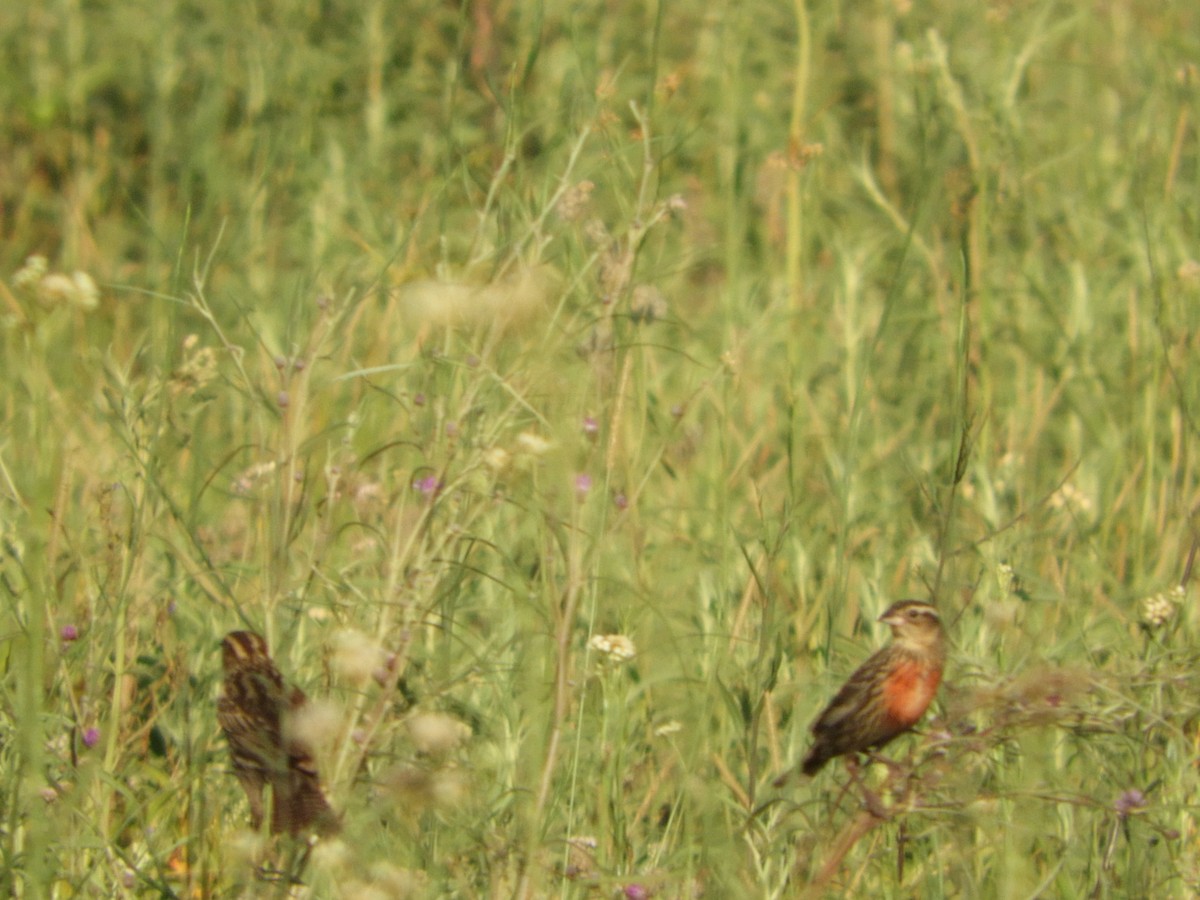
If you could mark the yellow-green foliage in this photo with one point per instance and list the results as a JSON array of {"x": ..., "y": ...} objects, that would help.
[{"x": 563, "y": 389}]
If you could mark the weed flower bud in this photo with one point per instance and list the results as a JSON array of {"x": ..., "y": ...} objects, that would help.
[{"x": 1129, "y": 801}]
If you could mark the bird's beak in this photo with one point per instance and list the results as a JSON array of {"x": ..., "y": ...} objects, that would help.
[{"x": 889, "y": 620}]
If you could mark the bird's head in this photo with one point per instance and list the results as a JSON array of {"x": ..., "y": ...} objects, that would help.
[
  {"x": 915, "y": 624},
  {"x": 240, "y": 648}
]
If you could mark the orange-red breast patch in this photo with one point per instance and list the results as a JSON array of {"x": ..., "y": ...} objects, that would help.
[{"x": 908, "y": 690}]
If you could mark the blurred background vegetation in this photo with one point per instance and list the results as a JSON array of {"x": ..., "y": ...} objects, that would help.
[{"x": 597, "y": 373}]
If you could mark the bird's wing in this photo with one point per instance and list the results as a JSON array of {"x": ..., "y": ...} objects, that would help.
[{"x": 856, "y": 695}]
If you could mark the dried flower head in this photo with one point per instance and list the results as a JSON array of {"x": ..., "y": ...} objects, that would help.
[
  {"x": 647, "y": 304},
  {"x": 574, "y": 201},
  {"x": 596, "y": 233}
]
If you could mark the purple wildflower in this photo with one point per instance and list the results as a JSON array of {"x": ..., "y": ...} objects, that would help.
[
  {"x": 427, "y": 485},
  {"x": 1129, "y": 801}
]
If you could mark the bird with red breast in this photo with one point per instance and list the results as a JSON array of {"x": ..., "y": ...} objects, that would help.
[{"x": 889, "y": 693}]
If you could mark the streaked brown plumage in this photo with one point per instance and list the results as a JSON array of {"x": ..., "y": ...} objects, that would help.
[
  {"x": 251, "y": 712},
  {"x": 889, "y": 693}
]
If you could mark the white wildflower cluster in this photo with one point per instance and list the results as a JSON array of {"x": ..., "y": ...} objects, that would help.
[
  {"x": 57, "y": 288},
  {"x": 615, "y": 648},
  {"x": 1159, "y": 609}
]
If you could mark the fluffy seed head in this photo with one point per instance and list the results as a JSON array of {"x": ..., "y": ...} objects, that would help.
[
  {"x": 356, "y": 657},
  {"x": 437, "y": 733}
]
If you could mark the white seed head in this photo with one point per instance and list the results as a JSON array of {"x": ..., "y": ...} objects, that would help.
[
  {"x": 437, "y": 733},
  {"x": 356, "y": 656},
  {"x": 315, "y": 724}
]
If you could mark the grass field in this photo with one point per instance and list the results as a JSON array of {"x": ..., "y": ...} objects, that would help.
[{"x": 563, "y": 390}]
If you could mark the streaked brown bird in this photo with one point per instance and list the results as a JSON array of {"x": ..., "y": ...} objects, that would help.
[
  {"x": 889, "y": 693},
  {"x": 253, "y": 712}
]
